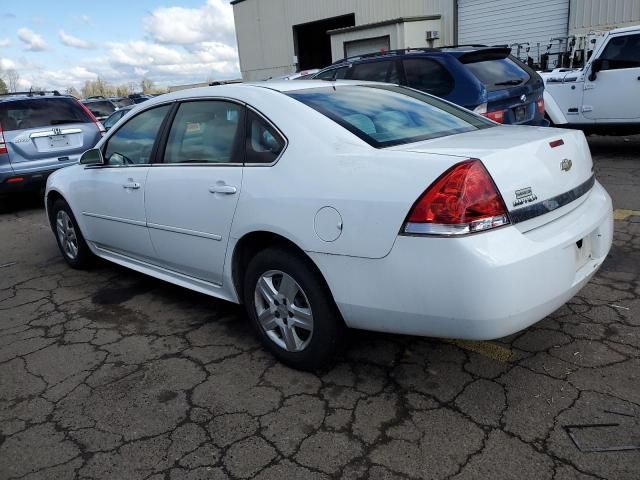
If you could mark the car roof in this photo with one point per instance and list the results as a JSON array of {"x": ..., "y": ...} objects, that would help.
[
  {"x": 12, "y": 97},
  {"x": 453, "y": 50}
]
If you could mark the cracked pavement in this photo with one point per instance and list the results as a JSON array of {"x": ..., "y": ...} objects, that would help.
[{"x": 109, "y": 374}]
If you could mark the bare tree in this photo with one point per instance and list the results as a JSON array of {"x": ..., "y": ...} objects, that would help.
[
  {"x": 147, "y": 85},
  {"x": 13, "y": 77},
  {"x": 73, "y": 91}
]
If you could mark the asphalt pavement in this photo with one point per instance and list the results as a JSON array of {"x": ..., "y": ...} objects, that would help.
[{"x": 109, "y": 374}]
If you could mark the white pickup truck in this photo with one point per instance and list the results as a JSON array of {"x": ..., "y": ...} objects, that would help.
[{"x": 603, "y": 96}]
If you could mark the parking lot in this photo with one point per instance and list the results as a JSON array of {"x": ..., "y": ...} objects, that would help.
[{"x": 112, "y": 374}]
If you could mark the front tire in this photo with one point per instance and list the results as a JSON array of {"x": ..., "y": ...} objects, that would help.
[
  {"x": 72, "y": 244},
  {"x": 292, "y": 310}
]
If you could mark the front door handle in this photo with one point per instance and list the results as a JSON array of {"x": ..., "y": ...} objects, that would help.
[
  {"x": 131, "y": 185},
  {"x": 223, "y": 188}
]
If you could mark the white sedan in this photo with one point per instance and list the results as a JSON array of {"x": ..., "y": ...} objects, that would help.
[{"x": 322, "y": 206}]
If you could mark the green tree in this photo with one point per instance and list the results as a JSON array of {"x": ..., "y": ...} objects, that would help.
[{"x": 3, "y": 87}]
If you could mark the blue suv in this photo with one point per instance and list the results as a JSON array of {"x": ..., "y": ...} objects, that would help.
[
  {"x": 39, "y": 133},
  {"x": 488, "y": 80}
]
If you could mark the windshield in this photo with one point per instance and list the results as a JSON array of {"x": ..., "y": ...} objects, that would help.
[
  {"x": 386, "y": 115},
  {"x": 101, "y": 109},
  {"x": 40, "y": 112},
  {"x": 496, "y": 74}
]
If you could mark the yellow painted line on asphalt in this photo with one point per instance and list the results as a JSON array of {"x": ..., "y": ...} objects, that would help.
[
  {"x": 623, "y": 214},
  {"x": 487, "y": 349}
]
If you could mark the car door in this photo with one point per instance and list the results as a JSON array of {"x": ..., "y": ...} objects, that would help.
[
  {"x": 111, "y": 196},
  {"x": 193, "y": 192},
  {"x": 614, "y": 94}
]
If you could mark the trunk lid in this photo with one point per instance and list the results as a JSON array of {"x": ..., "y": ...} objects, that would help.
[{"x": 546, "y": 168}]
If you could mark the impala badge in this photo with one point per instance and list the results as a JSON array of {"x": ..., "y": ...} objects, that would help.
[
  {"x": 566, "y": 165},
  {"x": 524, "y": 195}
]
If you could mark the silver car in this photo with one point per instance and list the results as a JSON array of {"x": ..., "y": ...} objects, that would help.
[{"x": 41, "y": 132}]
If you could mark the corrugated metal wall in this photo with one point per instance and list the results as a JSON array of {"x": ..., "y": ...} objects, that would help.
[
  {"x": 497, "y": 22},
  {"x": 264, "y": 28},
  {"x": 587, "y": 15}
]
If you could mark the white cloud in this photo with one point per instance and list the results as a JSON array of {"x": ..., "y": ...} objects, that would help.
[
  {"x": 71, "y": 41},
  {"x": 32, "y": 40},
  {"x": 4, "y": 42},
  {"x": 179, "y": 25},
  {"x": 85, "y": 19},
  {"x": 7, "y": 64}
]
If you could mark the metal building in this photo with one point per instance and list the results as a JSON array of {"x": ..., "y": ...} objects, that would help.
[{"x": 277, "y": 37}]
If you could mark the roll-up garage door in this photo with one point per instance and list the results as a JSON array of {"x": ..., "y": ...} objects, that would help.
[
  {"x": 505, "y": 22},
  {"x": 366, "y": 45}
]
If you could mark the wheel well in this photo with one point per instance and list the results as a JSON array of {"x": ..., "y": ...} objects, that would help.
[
  {"x": 252, "y": 243},
  {"x": 51, "y": 199}
]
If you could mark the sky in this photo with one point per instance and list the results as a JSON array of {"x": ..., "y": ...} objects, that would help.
[{"x": 63, "y": 43}]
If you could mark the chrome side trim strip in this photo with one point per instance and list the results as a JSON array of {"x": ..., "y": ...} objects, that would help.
[
  {"x": 115, "y": 219},
  {"x": 185, "y": 231},
  {"x": 532, "y": 211}
]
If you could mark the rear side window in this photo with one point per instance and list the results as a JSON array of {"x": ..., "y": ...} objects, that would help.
[
  {"x": 41, "y": 112},
  {"x": 386, "y": 115},
  {"x": 428, "y": 76},
  {"x": 496, "y": 74},
  {"x": 204, "y": 132},
  {"x": 385, "y": 71},
  {"x": 132, "y": 143},
  {"x": 264, "y": 143},
  {"x": 622, "y": 52},
  {"x": 101, "y": 109}
]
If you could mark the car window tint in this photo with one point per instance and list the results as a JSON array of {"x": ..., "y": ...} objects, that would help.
[
  {"x": 496, "y": 74},
  {"x": 341, "y": 73},
  {"x": 133, "y": 142},
  {"x": 101, "y": 109},
  {"x": 386, "y": 115},
  {"x": 326, "y": 75},
  {"x": 204, "y": 132},
  {"x": 376, "y": 72},
  {"x": 428, "y": 76},
  {"x": 41, "y": 112},
  {"x": 264, "y": 143},
  {"x": 622, "y": 52}
]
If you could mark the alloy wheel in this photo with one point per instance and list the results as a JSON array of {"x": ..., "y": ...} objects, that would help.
[
  {"x": 283, "y": 311},
  {"x": 67, "y": 234}
]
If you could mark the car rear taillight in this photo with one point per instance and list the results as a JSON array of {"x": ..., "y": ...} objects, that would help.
[
  {"x": 464, "y": 199},
  {"x": 540, "y": 105},
  {"x": 3, "y": 145},
  {"x": 93, "y": 118},
  {"x": 496, "y": 116}
]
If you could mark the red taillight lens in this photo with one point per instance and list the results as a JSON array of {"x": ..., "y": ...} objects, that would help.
[
  {"x": 15, "y": 180},
  {"x": 497, "y": 116},
  {"x": 463, "y": 200},
  {"x": 540, "y": 105},
  {"x": 93, "y": 118},
  {"x": 3, "y": 145}
]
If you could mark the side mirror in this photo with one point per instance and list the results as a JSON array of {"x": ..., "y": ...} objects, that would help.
[
  {"x": 92, "y": 157},
  {"x": 596, "y": 66}
]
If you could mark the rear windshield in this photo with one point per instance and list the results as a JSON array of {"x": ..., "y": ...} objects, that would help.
[
  {"x": 386, "y": 115},
  {"x": 40, "y": 112},
  {"x": 497, "y": 74},
  {"x": 101, "y": 109}
]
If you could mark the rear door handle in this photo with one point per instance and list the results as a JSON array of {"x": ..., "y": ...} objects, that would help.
[
  {"x": 131, "y": 185},
  {"x": 223, "y": 188}
]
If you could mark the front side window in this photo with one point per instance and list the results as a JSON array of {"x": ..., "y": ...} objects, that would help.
[
  {"x": 384, "y": 71},
  {"x": 331, "y": 74},
  {"x": 205, "y": 132},
  {"x": 621, "y": 52},
  {"x": 386, "y": 115},
  {"x": 264, "y": 143},
  {"x": 133, "y": 143},
  {"x": 428, "y": 76}
]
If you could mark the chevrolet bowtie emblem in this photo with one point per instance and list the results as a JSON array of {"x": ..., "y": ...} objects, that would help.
[{"x": 566, "y": 165}]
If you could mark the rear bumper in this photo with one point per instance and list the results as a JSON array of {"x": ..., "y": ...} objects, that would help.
[
  {"x": 10, "y": 182},
  {"x": 476, "y": 287}
]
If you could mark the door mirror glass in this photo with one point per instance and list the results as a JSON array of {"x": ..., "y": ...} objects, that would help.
[{"x": 92, "y": 157}]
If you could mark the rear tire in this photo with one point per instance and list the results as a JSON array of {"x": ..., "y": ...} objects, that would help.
[
  {"x": 292, "y": 309},
  {"x": 72, "y": 244}
]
